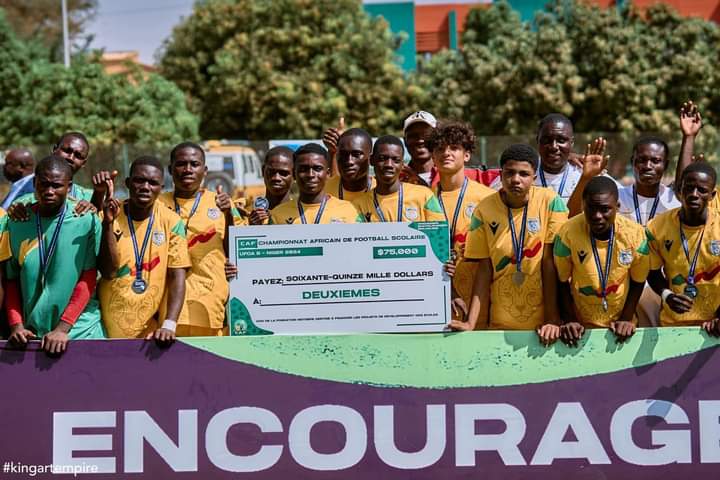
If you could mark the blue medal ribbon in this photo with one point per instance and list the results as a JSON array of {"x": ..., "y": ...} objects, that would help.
[
  {"x": 603, "y": 275},
  {"x": 457, "y": 208},
  {"x": 563, "y": 180},
  {"x": 141, "y": 254},
  {"x": 653, "y": 209},
  {"x": 319, "y": 214},
  {"x": 46, "y": 256},
  {"x": 194, "y": 208},
  {"x": 518, "y": 243},
  {"x": 692, "y": 264},
  {"x": 379, "y": 212}
]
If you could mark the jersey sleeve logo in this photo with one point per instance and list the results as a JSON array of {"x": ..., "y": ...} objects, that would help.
[
  {"x": 582, "y": 254},
  {"x": 494, "y": 226}
]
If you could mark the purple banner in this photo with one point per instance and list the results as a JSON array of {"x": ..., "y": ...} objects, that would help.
[{"x": 127, "y": 408}]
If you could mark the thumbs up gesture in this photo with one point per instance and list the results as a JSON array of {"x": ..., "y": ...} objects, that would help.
[
  {"x": 223, "y": 200},
  {"x": 332, "y": 135}
]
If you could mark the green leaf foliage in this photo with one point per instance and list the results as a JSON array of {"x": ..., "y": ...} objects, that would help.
[
  {"x": 609, "y": 69},
  {"x": 287, "y": 68},
  {"x": 42, "y": 99}
]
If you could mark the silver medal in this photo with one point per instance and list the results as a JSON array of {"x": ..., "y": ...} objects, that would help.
[
  {"x": 139, "y": 286},
  {"x": 261, "y": 203},
  {"x": 518, "y": 277},
  {"x": 605, "y": 304}
]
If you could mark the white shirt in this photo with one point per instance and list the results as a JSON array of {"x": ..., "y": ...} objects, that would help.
[{"x": 666, "y": 201}]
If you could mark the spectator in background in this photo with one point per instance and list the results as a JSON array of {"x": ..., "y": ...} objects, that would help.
[{"x": 18, "y": 170}]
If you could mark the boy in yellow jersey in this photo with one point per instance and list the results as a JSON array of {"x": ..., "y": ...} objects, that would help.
[
  {"x": 452, "y": 145},
  {"x": 685, "y": 253},
  {"x": 511, "y": 235},
  {"x": 207, "y": 216},
  {"x": 311, "y": 169},
  {"x": 353, "y": 157},
  {"x": 602, "y": 261},
  {"x": 277, "y": 173},
  {"x": 143, "y": 258},
  {"x": 392, "y": 200}
]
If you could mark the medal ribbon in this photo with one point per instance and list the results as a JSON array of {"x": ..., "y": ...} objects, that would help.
[
  {"x": 457, "y": 208},
  {"x": 518, "y": 243},
  {"x": 319, "y": 214},
  {"x": 194, "y": 208},
  {"x": 692, "y": 264},
  {"x": 653, "y": 209},
  {"x": 399, "y": 208},
  {"x": 46, "y": 256},
  {"x": 563, "y": 180},
  {"x": 139, "y": 256},
  {"x": 604, "y": 276}
]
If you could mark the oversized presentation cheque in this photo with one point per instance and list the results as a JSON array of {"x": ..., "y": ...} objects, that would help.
[{"x": 340, "y": 278}]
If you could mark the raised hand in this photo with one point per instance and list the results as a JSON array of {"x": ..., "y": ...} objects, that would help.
[
  {"x": 223, "y": 200},
  {"x": 594, "y": 161},
  {"x": 83, "y": 206},
  {"x": 18, "y": 212},
  {"x": 101, "y": 181},
  {"x": 332, "y": 135},
  {"x": 690, "y": 119},
  {"x": 111, "y": 206}
]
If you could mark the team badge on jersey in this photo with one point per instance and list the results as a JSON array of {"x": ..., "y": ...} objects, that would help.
[
  {"x": 715, "y": 247},
  {"x": 213, "y": 213},
  {"x": 411, "y": 213},
  {"x": 625, "y": 257},
  {"x": 470, "y": 209},
  {"x": 533, "y": 225},
  {"x": 158, "y": 238}
]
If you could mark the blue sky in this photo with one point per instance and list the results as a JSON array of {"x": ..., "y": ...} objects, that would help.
[{"x": 140, "y": 25}]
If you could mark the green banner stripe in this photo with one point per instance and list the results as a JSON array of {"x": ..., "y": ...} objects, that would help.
[{"x": 473, "y": 359}]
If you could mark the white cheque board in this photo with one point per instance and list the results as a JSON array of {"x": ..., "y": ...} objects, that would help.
[{"x": 339, "y": 278}]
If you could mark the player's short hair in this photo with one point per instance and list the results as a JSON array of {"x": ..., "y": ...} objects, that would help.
[
  {"x": 699, "y": 167},
  {"x": 148, "y": 160},
  {"x": 520, "y": 152},
  {"x": 554, "y": 118},
  {"x": 78, "y": 135},
  {"x": 357, "y": 132},
  {"x": 312, "y": 147},
  {"x": 650, "y": 140},
  {"x": 388, "y": 140},
  {"x": 279, "y": 151},
  {"x": 54, "y": 163},
  {"x": 599, "y": 185},
  {"x": 452, "y": 133},
  {"x": 182, "y": 146}
]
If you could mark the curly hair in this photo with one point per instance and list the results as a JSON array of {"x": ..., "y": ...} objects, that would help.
[{"x": 452, "y": 133}]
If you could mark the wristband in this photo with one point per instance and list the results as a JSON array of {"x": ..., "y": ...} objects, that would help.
[
  {"x": 169, "y": 325},
  {"x": 665, "y": 294}
]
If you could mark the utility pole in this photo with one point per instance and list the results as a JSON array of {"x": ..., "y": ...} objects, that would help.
[{"x": 66, "y": 39}]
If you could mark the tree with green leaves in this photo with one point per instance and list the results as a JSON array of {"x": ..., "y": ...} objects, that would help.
[
  {"x": 41, "y": 20},
  {"x": 287, "y": 68},
  {"x": 41, "y": 99},
  {"x": 609, "y": 69}
]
